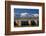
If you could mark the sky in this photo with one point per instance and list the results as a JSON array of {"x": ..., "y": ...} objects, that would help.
[
  {"x": 18, "y": 11},
  {"x": 33, "y": 11}
]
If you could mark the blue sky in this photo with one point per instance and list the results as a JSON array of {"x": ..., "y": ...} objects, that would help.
[{"x": 18, "y": 11}]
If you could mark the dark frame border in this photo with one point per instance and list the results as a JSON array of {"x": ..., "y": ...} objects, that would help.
[{"x": 7, "y": 17}]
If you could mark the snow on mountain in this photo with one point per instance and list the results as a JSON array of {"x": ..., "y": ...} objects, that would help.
[
  {"x": 24, "y": 15},
  {"x": 35, "y": 15}
]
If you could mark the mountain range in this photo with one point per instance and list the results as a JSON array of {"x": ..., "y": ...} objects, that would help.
[{"x": 25, "y": 15}]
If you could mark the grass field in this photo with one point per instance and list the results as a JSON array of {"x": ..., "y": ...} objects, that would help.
[{"x": 24, "y": 18}]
